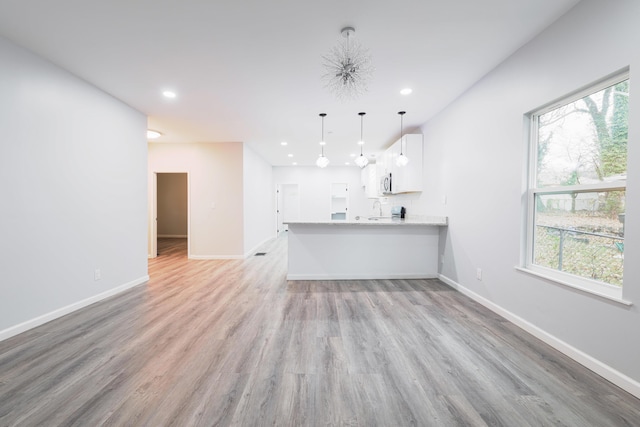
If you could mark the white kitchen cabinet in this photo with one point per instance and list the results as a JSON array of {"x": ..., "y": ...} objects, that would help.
[
  {"x": 408, "y": 178},
  {"x": 370, "y": 181}
]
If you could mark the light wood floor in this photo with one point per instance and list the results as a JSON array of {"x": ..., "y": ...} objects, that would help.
[{"x": 233, "y": 343}]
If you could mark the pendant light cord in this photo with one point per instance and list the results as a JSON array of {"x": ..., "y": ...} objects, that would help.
[
  {"x": 322, "y": 136},
  {"x": 361, "y": 132},
  {"x": 402, "y": 113}
]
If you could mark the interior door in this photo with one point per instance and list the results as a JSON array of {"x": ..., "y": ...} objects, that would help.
[
  {"x": 290, "y": 207},
  {"x": 339, "y": 202}
]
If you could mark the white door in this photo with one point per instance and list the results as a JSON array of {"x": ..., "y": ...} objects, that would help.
[
  {"x": 339, "y": 202},
  {"x": 289, "y": 206}
]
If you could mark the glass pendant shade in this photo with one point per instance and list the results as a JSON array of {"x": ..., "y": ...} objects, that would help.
[
  {"x": 361, "y": 161},
  {"x": 322, "y": 162},
  {"x": 402, "y": 160}
]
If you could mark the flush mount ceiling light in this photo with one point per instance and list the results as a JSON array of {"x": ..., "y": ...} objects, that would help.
[
  {"x": 153, "y": 134},
  {"x": 361, "y": 160},
  {"x": 348, "y": 68},
  {"x": 322, "y": 161},
  {"x": 401, "y": 160},
  {"x": 169, "y": 94},
  {"x": 406, "y": 91}
]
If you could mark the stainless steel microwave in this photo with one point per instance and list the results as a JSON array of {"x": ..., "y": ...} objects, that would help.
[{"x": 385, "y": 184}]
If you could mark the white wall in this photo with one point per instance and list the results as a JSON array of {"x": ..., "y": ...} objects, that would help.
[
  {"x": 475, "y": 156},
  {"x": 315, "y": 189},
  {"x": 258, "y": 207},
  {"x": 216, "y": 193},
  {"x": 73, "y": 188}
]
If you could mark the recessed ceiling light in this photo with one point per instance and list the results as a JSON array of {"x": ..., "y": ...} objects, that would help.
[
  {"x": 294, "y": 163},
  {"x": 289, "y": 155},
  {"x": 352, "y": 154},
  {"x": 153, "y": 134},
  {"x": 169, "y": 94},
  {"x": 283, "y": 143},
  {"x": 346, "y": 163},
  {"x": 406, "y": 91}
]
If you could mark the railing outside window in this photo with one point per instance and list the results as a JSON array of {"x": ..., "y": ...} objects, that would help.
[{"x": 586, "y": 254}]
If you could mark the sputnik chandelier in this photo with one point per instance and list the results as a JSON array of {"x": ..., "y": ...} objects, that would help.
[{"x": 348, "y": 68}]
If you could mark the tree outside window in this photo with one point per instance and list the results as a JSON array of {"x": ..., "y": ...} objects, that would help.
[{"x": 578, "y": 188}]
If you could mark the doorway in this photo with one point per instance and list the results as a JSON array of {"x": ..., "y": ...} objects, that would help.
[
  {"x": 287, "y": 205},
  {"x": 339, "y": 202},
  {"x": 170, "y": 216}
]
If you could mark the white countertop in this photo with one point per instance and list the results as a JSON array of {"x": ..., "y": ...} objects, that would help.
[{"x": 422, "y": 220}]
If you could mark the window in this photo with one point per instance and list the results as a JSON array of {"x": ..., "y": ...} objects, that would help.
[{"x": 577, "y": 183}]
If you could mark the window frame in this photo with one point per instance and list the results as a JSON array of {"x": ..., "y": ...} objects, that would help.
[{"x": 602, "y": 289}]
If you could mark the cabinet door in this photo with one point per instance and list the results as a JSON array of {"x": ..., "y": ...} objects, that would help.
[
  {"x": 408, "y": 178},
  {"x": 389, "y": 160},
  {"x": 371, "y": 181}
]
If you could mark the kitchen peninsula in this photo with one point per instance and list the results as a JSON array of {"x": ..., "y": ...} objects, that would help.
[{"x": 380, "y": 248}]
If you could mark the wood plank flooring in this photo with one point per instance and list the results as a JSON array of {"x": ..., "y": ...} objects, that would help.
[{"x": 231, "y": 342}]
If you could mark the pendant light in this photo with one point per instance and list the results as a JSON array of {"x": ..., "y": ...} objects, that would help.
[
  {"x": 402, "y": 160},
  {"x": 322, "y": 161},
  {"x": 361, "y": 160}
]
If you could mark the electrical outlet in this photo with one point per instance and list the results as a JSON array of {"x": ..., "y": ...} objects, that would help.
[
  {"x": 479, "y": 274},
  {"x": 96, "y": 274}
]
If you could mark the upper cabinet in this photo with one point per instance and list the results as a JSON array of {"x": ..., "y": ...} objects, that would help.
[
  {"x": 404, "y": 179},
  {"x": 408, "y": 178},
  {"x": 370, "y": 181}
]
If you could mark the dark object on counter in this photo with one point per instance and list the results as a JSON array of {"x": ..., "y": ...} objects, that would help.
[{"x": 398, "y": 212}]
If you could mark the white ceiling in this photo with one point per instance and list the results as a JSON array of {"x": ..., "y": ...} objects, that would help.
[{"x": 250, "y": 70}]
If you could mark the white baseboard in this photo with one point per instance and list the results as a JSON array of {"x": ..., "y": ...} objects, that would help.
[
  {"x": 245, "y": 256},
  {"x": 216, "y": 256},
  {"x": 359, "y": 277},
  {"x": 40, "y": 320},
  {"x": 172, "y": 236},
  {"x": 600, "y": 368}
]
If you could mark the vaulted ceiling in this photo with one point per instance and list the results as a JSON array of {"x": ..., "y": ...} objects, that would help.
[{"x": 251, "y": 70}]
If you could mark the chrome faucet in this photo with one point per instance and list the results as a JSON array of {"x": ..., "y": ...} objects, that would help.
[{"x": 379, "y": 207}]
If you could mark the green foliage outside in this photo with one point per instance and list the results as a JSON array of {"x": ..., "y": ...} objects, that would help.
[
  {"x": 592, "y": 257},
  {"x": 583, "y": 142}
]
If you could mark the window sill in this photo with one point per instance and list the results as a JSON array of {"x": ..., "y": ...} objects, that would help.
[{"x": 602, "y": 295}]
